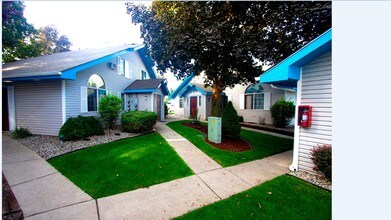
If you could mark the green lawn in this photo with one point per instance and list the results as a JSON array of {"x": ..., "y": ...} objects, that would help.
[
  {"x": 122, "y": 166},
  {"x": 284, "y": 197},
  {"x": 264, "y": 145}
]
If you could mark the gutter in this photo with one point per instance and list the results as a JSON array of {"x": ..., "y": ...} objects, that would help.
[{"x": 285, "y": 88}]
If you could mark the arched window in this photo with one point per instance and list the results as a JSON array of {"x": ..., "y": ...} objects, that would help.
[
  {"x": 254, "y": 97},
  {"x": 96, "y": 90}
]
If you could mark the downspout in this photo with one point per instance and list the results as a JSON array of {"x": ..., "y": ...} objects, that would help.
[{"x": 295, "y": 158}]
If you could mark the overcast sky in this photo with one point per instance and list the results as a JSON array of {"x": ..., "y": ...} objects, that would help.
[{"x": 89, "y": 24}]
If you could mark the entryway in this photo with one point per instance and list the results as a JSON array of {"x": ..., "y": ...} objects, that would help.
[
  {"x": 5, "y": 124},
  {"x": 193, "y": 106}
]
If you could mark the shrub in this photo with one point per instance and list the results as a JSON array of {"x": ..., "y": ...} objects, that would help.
[
  {"x": 138, "y": 121},
  {"x": 194, "y": 116},
  {"x": 282, "y": 112},
  {"x": 21, "y": 133},
  {"x": 321, "y": 157},
  {"x": 109, "y": 109},
  {"x": 80, "y": 127},
  {"x": 241, "y": 119},
  {"x": 230, "y": 121}
]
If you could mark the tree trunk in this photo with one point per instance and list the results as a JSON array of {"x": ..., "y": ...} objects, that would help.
[{"x": 216, "y": 99}]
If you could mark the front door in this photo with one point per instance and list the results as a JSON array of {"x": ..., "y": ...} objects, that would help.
[
  {"x": 193, "y": 107},
  {"x": 5, "y": 124},
  {"x": 159, "y": 107}
]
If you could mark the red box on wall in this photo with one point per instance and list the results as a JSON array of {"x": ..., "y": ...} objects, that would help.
[{"x": 304, "y": 118}]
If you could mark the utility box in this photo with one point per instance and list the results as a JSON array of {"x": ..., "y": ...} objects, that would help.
[{"x": 214, "y": 129}]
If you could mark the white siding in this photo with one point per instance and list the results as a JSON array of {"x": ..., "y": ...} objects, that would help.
[
  {"x": 114, "y": 83},
  {"x": 316, "y": 91},
  {"x": 38, "y": 106},
  {"x": 253, "y": 115}
]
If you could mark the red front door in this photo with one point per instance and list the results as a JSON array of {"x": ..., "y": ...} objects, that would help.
[{"x": 193, "y": 106}]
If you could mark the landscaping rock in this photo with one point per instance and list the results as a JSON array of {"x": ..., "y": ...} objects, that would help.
[
  {"x": 50, "y": 146},
  {"x": 313, "y": 179}
]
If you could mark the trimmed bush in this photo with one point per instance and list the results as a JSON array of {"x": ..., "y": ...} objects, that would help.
[
  {"x": 165, "y": 110},
  {"x": 282, "y": 112},
  {"x": 21, "y": 133},
  {"x": 109, "y": 109},
  {"x": 241, "y": 119},
  {"x": 230, "y": 121},
  {"x": 321, "y": 157},
  {"x": 80, "y": 127},
  {"x": 138, "y": 121}
]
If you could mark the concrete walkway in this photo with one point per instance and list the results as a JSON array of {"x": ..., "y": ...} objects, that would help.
[{"x": 43, "y": 193}]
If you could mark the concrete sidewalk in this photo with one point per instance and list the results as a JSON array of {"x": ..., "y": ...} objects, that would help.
[{"x": 41, "y": 191}]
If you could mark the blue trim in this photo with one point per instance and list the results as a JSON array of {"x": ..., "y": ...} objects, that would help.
[
  {"x": 181, "y": 86},
  {"x": 287, "y": 72},
  {"x": 139, "y": 90},
  {"x": 191, "y": 87},
  {"x": 165, "y": 88},
  {"x": 34, "y": 78},
  {"x": 71, "y": 73},
  {"x": 147, "y": 61}
]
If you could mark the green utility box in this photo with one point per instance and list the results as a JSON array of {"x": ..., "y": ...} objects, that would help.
[{"x": 214, "y": 129}]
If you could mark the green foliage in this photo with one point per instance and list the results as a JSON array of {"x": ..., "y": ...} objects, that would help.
[
  {"x": 282, "y": 112},
  {"x": 230, "y": 121},
  {"x": 122, "y": 166},
  {"x": 222, "y": 39},
  {"x": 109, "y": 109},
  {"x": 321, "y": 157},
  {"x": 21, "y": 133},
  {"x": 138, "y": 121},
  {"x": 284, "y": 197},
  {"x": 241, "y": 119},
  {"x": 20, "y": 40},
  {"x": 80, "y": 127}
]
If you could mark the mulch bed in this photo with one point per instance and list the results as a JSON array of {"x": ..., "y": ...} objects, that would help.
[{"x": 227, "y": 143}]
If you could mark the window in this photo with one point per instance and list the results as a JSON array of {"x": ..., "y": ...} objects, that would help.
[
  {"x": 199, "y": 100},
  {"x": 254, "y": 97},
  {"x": 121, "y": 66},
  {"x": 180, "y": 103},
  {"x": 143, "y": 75},
  {"x": 96, "y": 89}
]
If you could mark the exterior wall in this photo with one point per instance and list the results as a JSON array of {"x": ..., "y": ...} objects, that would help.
[
  {"x": 316, "y": 92},
  {"x": 114, "y": 82},
  {"x": 253, "y": 115},
  {"x": 136, "y": 65},
  {"x": 38, "y": 106},
  {"x": 177, "y": 110},
  {"x": 202, "y": 109}
]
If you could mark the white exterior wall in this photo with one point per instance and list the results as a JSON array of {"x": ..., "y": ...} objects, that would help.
[
  {"x": 38, "y": 106},
  {"x": 201, "y": 108},
  {"x": 114, "y": 82},
  {"x": 253, "y": 115},
  {"x": 177, "y": 110},
  {"x": 315, "y": 90}
]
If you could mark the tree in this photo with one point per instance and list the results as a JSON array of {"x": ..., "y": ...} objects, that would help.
[
  {"x": 282, "y": 112},
  {"x": 229, "y": 41},
  {"x": 51, "y": 42},
  {"x": 17, "y": 35},
  {"x": 109, "y": 109},
  {"x": 230, "y": 121}
]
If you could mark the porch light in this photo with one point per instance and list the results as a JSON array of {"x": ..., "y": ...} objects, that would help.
[{"x": 145, "y": 98}]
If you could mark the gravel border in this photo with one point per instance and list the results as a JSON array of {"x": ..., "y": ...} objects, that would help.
[
  {"x": 49, "y": 146},
  {"x": 313, "y": 179}
]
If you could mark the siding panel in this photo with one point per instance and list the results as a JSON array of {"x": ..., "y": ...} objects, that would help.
[
  {"x": 39, "y": 107},
  {"x": 316, "y": 91}
]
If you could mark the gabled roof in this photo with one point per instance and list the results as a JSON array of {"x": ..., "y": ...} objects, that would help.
[
  {"x": 146, "y": 86},
  {"x": 197, "y": 87},
  {"x": 65, "y": 65},
  {"x": 287, "y": 72},
  {"x": 181, "y": 86}
]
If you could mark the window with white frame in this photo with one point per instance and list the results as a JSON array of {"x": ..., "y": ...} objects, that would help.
[
  {"x": 121, "y": 66},
  {"x": 96, "y": 89},
  {"x": 181, "y": 103},
  {"x": 254, "y": 97}
]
